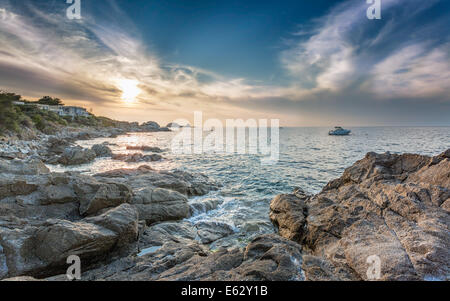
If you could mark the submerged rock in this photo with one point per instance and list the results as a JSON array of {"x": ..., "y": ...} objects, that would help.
[
  {"x": 133, "y": 158},
  {"x": 145, "y": 148}
]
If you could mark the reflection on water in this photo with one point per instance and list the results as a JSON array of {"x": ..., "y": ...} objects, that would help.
[{"x": 309, "y": 158}]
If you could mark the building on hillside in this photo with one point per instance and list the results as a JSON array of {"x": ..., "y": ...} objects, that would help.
[
  {"x": 73, "y": 111},
  {"x": 70, "y": 111}
]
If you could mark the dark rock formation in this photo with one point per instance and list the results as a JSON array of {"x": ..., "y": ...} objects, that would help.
[{"x": 391, "y": 206}]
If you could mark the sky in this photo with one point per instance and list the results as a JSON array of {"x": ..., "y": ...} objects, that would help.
[{"x": 307, "y": 63}]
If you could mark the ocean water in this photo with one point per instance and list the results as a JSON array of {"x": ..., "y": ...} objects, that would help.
[{"x": 309, "y": 158}]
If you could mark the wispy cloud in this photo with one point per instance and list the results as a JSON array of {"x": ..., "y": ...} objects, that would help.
[
  {"x": 339, "y": 61},
  {"x": 344, "y": 49}
]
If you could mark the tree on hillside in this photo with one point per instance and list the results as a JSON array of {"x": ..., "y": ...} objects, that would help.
[
  {"x": 8, "y": 113},
  {"x": 47, "y": 100}
]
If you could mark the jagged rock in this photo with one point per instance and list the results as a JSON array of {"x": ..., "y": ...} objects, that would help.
[
  {"x": 288, "y": 214},
  {"x": 389, "y": 206},
  {"x": 76, "y": 155},
  {"x": 102, "y": 150},
  {"x": 156, "y": 205},
  {"x": 266, "y": 258}
]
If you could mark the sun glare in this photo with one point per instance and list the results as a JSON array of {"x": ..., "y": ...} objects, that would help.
[{"x": 129, "y": 89}]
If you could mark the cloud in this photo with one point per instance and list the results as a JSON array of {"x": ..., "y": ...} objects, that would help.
[
  {"x": 344, "y": 50},
  {"x": 339, "y": 65}
]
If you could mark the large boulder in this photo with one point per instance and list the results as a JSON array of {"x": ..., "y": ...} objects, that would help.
[
  {"x": 156, "y": 205},
  {"x": 388, "y": 208},
  {"x": 58, "y": 239},
  {"x": 94, "y": 195}
]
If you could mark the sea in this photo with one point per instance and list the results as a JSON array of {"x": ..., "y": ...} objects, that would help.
[{"x": 308, "y": 158}]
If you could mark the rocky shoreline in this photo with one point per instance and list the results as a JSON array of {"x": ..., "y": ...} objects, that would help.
[{"x": 128, "y": 224}]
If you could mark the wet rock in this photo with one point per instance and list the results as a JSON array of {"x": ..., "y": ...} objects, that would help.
[
  {"x": 76, "y": 156},
  {"x": 102, "y": 150},
  {"x": 209, "y": 231},
  {"x": 133, "y": 158},
  {"x": 385, "y": 206},
  {"x": 145, "y": 148},
  {"x": 202, "y": 206}
]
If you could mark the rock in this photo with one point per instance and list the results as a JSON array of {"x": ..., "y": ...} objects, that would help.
[
  {"x": 390, "y": 207},
  {"x": 173, "y": 125},
  {"x": 150, "y": 126},
  {"x": 137, "y": 157},
  {"x": 58, "y": 239},
  {"x": 156, "y": 205},
  {"x": 94, "y": 195},
  {"x": 76, "y": 155},
  {"x": 202, "y": 206},
  {"x": 122, "y": 220},
  {"x": 144, "y": 148},
  {"x": 57, "y": 146},
  {"x": 209, "y": 231},
  {"x": 23, "y": 167},
  {"x": 288, "y": 214},
  {"x": 22, "y": 279},
  {"x": 146, "y": 177},
  {"x": 266, "y": 258},
  {"x": 101, "y": 150}
]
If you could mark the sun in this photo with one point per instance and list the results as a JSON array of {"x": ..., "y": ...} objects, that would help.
[{"x": 130, "y": 90}]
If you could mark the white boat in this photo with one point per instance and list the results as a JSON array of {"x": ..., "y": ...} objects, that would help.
[{"x": 339, "y": 131}]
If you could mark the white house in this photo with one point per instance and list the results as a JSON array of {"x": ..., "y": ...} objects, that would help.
[{"x": 73, "y": 111}]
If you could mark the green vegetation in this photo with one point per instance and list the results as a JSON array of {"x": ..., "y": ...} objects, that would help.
[
  {"x": 15, "y": 118},
  {"x": 47, "y": 100}
]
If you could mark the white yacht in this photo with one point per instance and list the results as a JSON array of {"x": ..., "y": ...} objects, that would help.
[{"x": 339, "y": 131}]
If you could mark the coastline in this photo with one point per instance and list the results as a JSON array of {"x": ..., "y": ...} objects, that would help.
[{"x": 123, "y": 220}]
